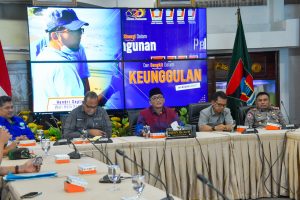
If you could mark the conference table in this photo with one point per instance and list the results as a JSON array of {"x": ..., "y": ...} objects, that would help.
[
  {"x": 241, "y": 166},
  {"x": 53, "y": 188}
]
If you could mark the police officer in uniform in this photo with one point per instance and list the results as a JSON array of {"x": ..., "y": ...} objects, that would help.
[{"x": 263, "y": 113}]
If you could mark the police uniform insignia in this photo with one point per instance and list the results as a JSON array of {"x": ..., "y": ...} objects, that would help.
[
  {"x": 275, "y": 108},
  {"x": 249, "y": 116}
]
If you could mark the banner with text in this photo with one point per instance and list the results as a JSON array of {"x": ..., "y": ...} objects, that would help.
[
  {"x": 174, "y": 33},
  {"x": 182, "y": 82}
]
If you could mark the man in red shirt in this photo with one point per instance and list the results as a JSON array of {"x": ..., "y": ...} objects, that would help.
[{"x": 157, "y": 116}]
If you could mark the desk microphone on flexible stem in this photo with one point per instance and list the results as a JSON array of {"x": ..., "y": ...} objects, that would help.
[
  {"x": 105, "y": 178},
  {"x": 204, "y": 180},
  {"x": 75, "y": 154},
  {"x": 85, "y": 135},
  {"x": 122, "y": 153},
  {"x": 289, "y": 125}
]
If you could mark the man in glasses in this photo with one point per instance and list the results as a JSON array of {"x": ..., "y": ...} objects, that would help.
[
  {"x": 89, "y": 117},
  {"x": 263, "y": 113},
  {"x": 216, "y": 117},
  {"x": 65, "y": 31},
  {"x": 157, "y": 116},
  {"x": 62, "y": 78},
  {"x": 66, "y": 77}
]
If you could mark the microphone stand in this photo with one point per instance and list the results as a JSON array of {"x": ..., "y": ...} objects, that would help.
[
  {"x": 204, "y": 180},
  {"x": 289, "y": 125},
  {"x": 105, "y": 178},
  {"x": 122, "y": 153},
  {"x": 250, "y": 129},
  {"x": 85, "y": 135},
  {"x": 75, "y": 154}
]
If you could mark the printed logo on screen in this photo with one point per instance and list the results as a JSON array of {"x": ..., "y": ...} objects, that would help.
[
  {"x": 170, "y": 16},
  {"x": 156, "y": 16},
  {"x": 192, "y": 15},
  {"x": 136, "y": 14},
  {"x": 180, "y": 16}
]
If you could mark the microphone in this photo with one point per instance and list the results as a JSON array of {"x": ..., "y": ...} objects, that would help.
[
  {"x": 85, "y": 135},
  {"x": 239, "y": 117},
  {"x": 75, "y": 154},
  {"x": 250, "y": 129},
  {"x": 122, "y": 153},
  {"x": 289, "y": 125},
  {"x": 105, "y": 178},
  {"x": 204, "y": 180}
]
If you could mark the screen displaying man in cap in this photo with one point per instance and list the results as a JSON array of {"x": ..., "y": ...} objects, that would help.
[
  {"x": 62, "y": 64},
  {"x": 65, "y": 31},
  {"x": 157, "y": 116}
]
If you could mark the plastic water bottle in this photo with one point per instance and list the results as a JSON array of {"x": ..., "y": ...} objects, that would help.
[{"x": 146, "y": 130}]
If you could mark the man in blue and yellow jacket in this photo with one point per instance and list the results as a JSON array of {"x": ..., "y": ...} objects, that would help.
[{"x": 14, "y": 124}]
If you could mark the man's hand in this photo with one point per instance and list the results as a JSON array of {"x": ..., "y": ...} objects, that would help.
[
  {"x": 220, "y": 127},
  {"x": 21, "y": 137},
  {"x": 29, "y": 167},
  {"x": 96, "y": 132},
  {"x": 4, "y": 136}
]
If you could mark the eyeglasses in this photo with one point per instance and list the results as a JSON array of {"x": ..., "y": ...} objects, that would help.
[
  {"x": 220, "y": 105},
  {"x": 81, "y": 31},
  {"x": 90, "y": 107},
  {"x": 155, "y": 98}
]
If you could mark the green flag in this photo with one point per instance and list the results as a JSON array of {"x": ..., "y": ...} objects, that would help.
[{"x": 239, "y": 80}]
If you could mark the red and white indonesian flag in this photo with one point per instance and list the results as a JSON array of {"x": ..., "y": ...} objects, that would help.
[{"x": 5, "y": 87}]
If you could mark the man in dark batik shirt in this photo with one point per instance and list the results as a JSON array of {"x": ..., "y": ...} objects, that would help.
[{"x": 90, "y": 117}]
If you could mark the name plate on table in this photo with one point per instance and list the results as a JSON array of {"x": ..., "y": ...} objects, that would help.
[{"x": 182, "y": 133}]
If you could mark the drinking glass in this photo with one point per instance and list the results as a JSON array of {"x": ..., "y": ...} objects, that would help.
[
  {"x": 40, "y": 135},
  {"x": 138, "y": 182},
  {"x": 233, "y": 126},
  {"x": 114, "y": 175},
  {"x": 45, "y": 143}
]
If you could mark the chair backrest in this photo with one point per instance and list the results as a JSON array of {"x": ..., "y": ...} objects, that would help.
[
  {"x": 242, "y": 112},
  {"x": 194, "y": 112},
  {"x": 132, "y": 118}
]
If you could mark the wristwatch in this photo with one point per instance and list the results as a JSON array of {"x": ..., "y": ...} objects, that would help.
[{"x": 213, "y": 128}]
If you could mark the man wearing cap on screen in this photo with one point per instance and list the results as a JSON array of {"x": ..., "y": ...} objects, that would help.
[
  {"x": 62, "y": 78},
  {"x": 65, "y": 31},
  {"x": 157, "y": 116}
]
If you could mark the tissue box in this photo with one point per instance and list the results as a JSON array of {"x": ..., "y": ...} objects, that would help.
[
  {"x": 272, "y": 126},
  {"x": 27, "y": 143},
  {"x": 157, "y": 135},
  {"x": 80, "y": 141},
  {"x": 62, "y": 158},
  {"x": 75, "y": 184},
  {"x": 241, "y": 128},
  {"x": 87, "y": 169}
]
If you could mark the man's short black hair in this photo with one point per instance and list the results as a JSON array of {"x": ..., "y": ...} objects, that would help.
[
  {"x": 262, "y": 93},
  {"x": 91, "y": 95},
  {"x": 220, "y": 94},
  {"x": 4, "y": 99}
]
